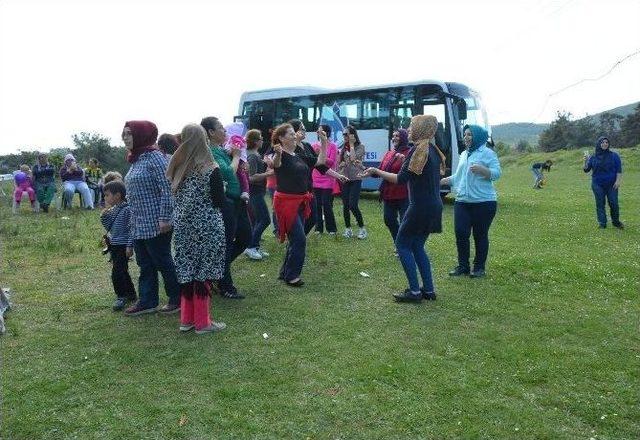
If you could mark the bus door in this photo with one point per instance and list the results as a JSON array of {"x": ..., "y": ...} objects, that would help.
[{"x": 399, "y": 117}]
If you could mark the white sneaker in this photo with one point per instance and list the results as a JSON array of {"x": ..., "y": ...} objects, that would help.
[
  {"x": 263, "y": 253},
  {"x": 348, "y": 233},
  {"x": 362, "y": 234},
  {"x": 214, "y": 327},
  {"x": 186, "y": 327},
  {"x": 331, "y": 234},
  {"x": 253, "y": 254}
]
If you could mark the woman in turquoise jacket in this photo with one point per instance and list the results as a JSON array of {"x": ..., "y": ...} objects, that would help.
[{"x": 475, "y": 206}]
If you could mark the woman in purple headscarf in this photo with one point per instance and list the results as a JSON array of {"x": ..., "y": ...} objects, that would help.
[{"x": 395, "y": 197}]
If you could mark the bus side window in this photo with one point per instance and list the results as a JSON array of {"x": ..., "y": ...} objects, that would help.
[{"x": 375, "y": 110}]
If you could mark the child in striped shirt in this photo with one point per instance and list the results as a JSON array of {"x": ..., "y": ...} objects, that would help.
[{"x": 116, "y": 220}]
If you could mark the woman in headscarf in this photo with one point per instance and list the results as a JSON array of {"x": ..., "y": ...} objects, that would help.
[
  {"x": 44, "y": 181},
  {"x": 149, "y": 196},
  {"x": 199, "y": 240},
  {"x": 606, "y": 177},
  {"x": 475, "y": 206},
  {"x": 395, "y": 197},
  {"x": 421, "y": 172},
  {"x": 73, "y": 179}
]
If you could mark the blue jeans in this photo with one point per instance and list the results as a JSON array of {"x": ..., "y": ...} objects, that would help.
[
  {"x": 537, "y": 176},
  {"x": 153, "y": 255},
  {"x": 237, "y": 232},
  {"x": 393, "y": 213},
  {"x": 476, "y": 218},
  {"x": 611, "y": 195},
  {"x": 70, "y": 187},
  {"x": 324, "y": 209},
  {"x": 261, "y": 218},
  {"x": 271, "y": 192},
  {"x": 411, "y": 253},
  {"x": 350, "y": 198},
  {"x": 294, "y": 256}
]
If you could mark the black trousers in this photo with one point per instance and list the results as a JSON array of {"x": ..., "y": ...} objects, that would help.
[
  {"x": 350, "y": 198},
  {"x": 237, "y": 231},
  {"x": 122, "y": 284},
  {"x": 473, "y": 218}
]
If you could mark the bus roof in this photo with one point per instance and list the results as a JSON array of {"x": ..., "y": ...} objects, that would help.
[{"x": 285, "y": 92}]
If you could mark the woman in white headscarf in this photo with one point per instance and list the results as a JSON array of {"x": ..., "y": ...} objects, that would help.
[{"x": 199, "y": 239}]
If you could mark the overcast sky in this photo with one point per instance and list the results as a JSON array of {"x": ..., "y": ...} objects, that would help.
[{"x": 71, "y": 66}]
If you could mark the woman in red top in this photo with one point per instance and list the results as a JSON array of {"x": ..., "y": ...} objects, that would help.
[{"x": 395, "y": 198}]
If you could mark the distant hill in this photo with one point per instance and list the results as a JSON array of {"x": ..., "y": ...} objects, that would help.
[{"x": 510, "y": 133}]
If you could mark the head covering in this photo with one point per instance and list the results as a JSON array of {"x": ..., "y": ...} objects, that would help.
[
  {"x": 403, "y": 139},
  {"x": 423, "y": 128},
  {"x": 235, "y": 139},
  {"x": 192, "y": 155},
  {"x": 599, "y": 149},
  {"x": 479, "y": 135},
  {"x": 69, "y": 158},
  {"x": 144, "y": 135}
]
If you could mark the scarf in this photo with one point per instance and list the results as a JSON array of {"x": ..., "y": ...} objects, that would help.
[
  {"x": 423, "y": 128},
  {"x": 192, "y": 155},
  {"x": 479, "y": 137},
  {"x": 599, "y": 150},
  {"x": 144, "y": 135}
]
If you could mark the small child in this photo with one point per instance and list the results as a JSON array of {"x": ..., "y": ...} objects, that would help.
[
  {"x": 115, "y": 219},
  {"x": 538, "y": 175},
  {"x": 111, "y": 176},
  {"x": 24, "y": 183},
  {"x": 235, "y": 139}
]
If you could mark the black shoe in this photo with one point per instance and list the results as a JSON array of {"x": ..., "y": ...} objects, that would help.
[
  {"x": 298, "y": 283},
  {"x": 407, "y": 296},
  {"x": 231, "y": 294},
  {"x": 119, "y": 304},
  {"x": 603, "y": 226},
  {"x": 478, "y": 273},
  {"x": 619, "y": 225},
  {"x": 458, "y": 271},
  {"x": 429, "y": 296}
]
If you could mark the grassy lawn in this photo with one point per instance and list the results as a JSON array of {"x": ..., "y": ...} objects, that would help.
[{"x": 546, "y": 347}]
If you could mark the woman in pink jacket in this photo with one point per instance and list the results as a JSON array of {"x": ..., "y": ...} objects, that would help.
[{"x": 323, "y": 188}]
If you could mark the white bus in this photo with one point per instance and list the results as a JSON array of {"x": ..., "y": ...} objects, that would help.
[{"x": 375, "y": 111}]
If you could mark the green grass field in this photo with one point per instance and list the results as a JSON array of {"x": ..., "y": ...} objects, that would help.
[{"x": 546, "y": 347}]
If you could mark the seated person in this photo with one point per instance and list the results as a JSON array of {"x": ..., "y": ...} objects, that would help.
[
  {"x": 44, "y": 179},
  {"x": 23, "y": 184},
  {"x": 93, "y": 174},
  {"x": 73, "y": 180}
]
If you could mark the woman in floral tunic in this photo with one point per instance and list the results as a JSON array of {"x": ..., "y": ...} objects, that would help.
[{"x": 199, "y": 238}]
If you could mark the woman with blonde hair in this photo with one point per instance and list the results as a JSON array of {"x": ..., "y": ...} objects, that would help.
[
  {"x": 421, "y": 172},
  {"x": 199, "y": 241}
]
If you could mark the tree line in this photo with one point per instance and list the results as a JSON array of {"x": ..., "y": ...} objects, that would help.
[
  {"x": 563, "y": 133},
  {"x": 85, "y": 146}
]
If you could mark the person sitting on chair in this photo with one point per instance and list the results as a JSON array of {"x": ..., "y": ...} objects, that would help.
[
  {"x": 24, "y": 184},
  {"x": 95, "y": 182},
  {"x": 44, "y": 180},
  {"x": 73, "y": 180}
]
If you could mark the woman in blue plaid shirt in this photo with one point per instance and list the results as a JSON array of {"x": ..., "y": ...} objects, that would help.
[{"x": 149, "y": 196}]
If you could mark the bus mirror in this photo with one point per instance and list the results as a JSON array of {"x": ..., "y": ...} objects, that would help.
[{"x": 462, "y": 109}]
